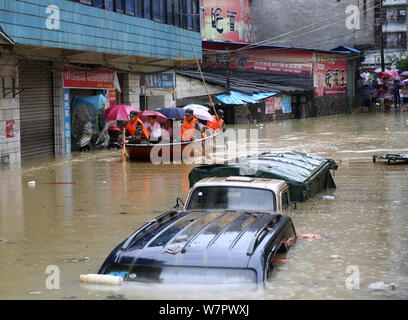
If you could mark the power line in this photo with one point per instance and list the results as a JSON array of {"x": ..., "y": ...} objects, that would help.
[
  {"x": 295, "y": 30},
  {"x": 304, "y": 27}
]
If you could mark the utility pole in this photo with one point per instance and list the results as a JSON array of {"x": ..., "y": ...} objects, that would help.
[
  {"x": 381, "y": 37},
  {"x": 227, "y": 73}
]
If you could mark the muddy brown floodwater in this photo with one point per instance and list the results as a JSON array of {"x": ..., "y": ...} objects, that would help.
[{"x": 82, "y": 206}]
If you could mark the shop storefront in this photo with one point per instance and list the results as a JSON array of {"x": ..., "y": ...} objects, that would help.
[
  {"x": 36, "y": 109},
  {"x": 80, "y": 83}
]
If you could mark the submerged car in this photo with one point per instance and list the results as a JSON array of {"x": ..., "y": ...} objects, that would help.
[{"x": 196, "y": 246}]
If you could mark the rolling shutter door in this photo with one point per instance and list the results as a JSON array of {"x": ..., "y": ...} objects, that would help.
[{"x": 36, "y": 109}]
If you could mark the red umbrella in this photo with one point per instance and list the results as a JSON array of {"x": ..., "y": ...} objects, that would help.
[
  {"x": 383, "y": 74},
  {"x": 160, "y": 118},
  {"x": 119, "y": 112}
]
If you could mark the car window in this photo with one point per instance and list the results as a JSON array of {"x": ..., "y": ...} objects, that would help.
[
  {"x": 184, "y": 274},
  {"x": 235, "y": 198},
  {"x": 285, "y": 200}
]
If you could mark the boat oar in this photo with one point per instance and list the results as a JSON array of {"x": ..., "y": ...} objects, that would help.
[
  {"x": 124, "y": 147},
  {"x": 208, "y": 92}
]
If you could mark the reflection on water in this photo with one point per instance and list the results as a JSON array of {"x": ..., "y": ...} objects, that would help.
[{"x": 84, "y": 205}]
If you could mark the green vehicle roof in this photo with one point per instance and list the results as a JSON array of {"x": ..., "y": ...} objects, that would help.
[{"x": 306, "y": 174}]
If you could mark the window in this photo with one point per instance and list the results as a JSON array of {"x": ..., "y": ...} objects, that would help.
[
  {"x": 235, "y": 198},
  {"x": 176, "y": 10},
  {"x": 139, "y": 8},
  {"x": 158, "y": 7},
  {"x": 183, "y": 12},
  {"x": 196, "y": 17},
  {"x": 180, "y": 274},
  {"x": 179, "y": 13},
  {"x": 189, "y": 13},
  {"x": 130, "y": 7},
  {"x": 147, "y": 9},
  {"x": 285, "y": 200},
  {"x": 98, "y": 4},
  {"x": 170, "y": 12},
  {"x": 119, "y": 5},
  {"x": 109, "y": 5}
]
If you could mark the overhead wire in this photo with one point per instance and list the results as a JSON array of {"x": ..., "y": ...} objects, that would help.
[
  {"x": 248, "y": 47},
  {"x": 306, "y": 26}
]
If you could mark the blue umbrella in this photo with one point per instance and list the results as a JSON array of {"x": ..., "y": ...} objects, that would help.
[{"x": 173, "y": 113}]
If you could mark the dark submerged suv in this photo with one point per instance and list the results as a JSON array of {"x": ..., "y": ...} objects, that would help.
[{"x": 203, "y": 246}]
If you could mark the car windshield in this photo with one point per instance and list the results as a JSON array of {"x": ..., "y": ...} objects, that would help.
[
  {"x": 235, "y": 198},
  {"x": 183, "y": 274}
]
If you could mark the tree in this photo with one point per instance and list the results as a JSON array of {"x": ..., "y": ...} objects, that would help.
[{"x": 399, "y": 61}]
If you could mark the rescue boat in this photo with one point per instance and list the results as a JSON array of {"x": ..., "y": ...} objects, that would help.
[{"x": 171, "y": 151}]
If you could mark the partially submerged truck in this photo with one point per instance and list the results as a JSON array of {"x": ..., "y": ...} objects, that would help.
[{"x": 231, "y": 226}]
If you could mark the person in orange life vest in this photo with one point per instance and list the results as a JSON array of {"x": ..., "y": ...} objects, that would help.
[
  {"x": 190, "y": 130},
  {"x": 136, "y": 129},
  {"x": 216, "y": 125}
]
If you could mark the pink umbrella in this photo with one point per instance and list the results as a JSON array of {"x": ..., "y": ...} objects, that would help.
[
  {"x": 119, "y": 112},
  {"x": 160, "y": 118},
  {"x": 394, "y": 75}
]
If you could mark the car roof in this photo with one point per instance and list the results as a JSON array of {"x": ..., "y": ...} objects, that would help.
[
  {"x": 242, "y": 181},
  {"x": 201, "y": 238}
]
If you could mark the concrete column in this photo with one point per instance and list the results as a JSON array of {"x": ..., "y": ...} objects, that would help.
[
  {"x": 10, "y": 146},
  {"x": 131, "y": 89}
]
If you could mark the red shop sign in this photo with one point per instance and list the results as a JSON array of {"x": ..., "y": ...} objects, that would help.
[
  {"x": 94, "y": 79},
  {"x": 10, "y": 129}
]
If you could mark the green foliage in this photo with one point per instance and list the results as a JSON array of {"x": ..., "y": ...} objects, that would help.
[{"x": 399, "y": 61}]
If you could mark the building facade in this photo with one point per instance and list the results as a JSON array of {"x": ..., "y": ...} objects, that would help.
[
  {"x": 392, "y": 20},
  {"x": 263, "y": 83},
  {"x": 53, "y": 51},
  {"x": 312, "y": 24}
]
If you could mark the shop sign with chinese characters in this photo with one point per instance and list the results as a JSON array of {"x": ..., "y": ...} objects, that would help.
[
  {"x": 92, "y": 79},
  {"x": 330, "y": 75},
  {"x": 226, "y": 20}
]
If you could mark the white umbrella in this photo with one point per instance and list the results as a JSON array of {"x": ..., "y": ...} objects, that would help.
[
  {"x": 380, "y": 70},
  {"x": 404, "y": 73},
  {"x": 194, "y": 107},
  {"x": 203, "y": 115}
]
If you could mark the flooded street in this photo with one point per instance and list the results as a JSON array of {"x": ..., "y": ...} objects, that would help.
[{"x": 83, "y": 206}]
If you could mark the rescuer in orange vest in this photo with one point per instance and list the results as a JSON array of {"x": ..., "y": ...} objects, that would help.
[
  {"x": 136, "y": 129},
  {"x": 190, "y": 130},
  {"x": 216, "y": 125}
]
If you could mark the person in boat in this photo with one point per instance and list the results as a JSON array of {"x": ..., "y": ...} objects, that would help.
[
  {"x": 136, "y": 131},
  {"x": 190, "y": 129},
  {"x": 154, "y": 129},
  {"x": 167, "y": 131},
  {"x": 217, "y": 125}
]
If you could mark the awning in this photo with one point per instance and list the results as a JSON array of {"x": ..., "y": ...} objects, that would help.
[
  {"x": 5, "y": 37},
  {"x": 250, "y": 83},
  {"x": 344, "y": 49},
  {"x": 241, "y": 98}
]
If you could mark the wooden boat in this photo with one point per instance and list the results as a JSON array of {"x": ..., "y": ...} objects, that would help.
[{"x": 169, "y": 152}]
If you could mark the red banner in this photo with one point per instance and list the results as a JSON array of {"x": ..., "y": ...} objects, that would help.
[
  {"x": 10, "y": 129},
  {"x": 112, "y": 97},
  {"x": 266, "y": 60},
  {"x": 330, "y": 75},
  {"x": 226, "y": 20},
  {"x": 92, "y": 79}
]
